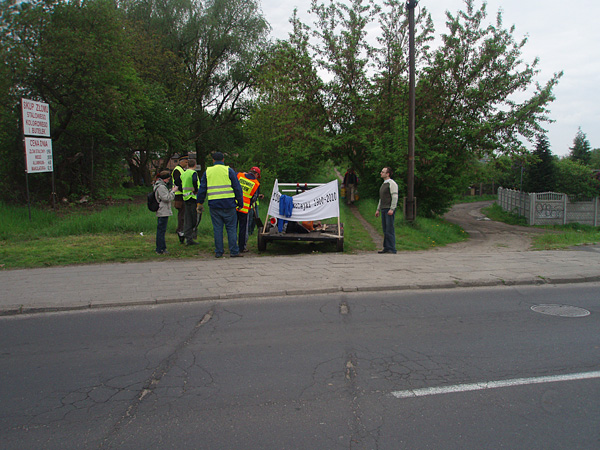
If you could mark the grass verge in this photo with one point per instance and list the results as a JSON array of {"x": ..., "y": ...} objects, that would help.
[
  {"x": 423, "y": 234},
  {"x": 126, "y": 232}
]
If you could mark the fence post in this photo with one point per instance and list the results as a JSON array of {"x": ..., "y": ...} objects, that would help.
[
  {"x": 532, "y": 209},
  {"x": 565, "y": 199}
]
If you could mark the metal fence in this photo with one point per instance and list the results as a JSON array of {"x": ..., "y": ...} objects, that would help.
[{"x": 549, "y": 208}]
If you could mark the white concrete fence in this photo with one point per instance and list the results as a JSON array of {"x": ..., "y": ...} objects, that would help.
[{"x": 549, "y": 208}]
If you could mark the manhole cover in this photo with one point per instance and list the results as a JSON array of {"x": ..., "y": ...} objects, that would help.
[{"x": 561, "y": 310}]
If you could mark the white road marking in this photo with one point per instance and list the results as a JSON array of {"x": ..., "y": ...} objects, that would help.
[{"x": 493, "y": 385}]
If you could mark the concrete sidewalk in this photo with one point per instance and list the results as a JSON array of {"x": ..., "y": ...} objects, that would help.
[{"x": 105, "y": 285}]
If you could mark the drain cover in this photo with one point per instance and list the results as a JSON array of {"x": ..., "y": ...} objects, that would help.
[{"x": 561, "y": 310}]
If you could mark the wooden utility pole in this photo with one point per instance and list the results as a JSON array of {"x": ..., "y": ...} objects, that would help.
[{"x": 410, "y": 208}]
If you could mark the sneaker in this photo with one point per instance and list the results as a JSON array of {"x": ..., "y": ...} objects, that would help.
[{"x": 218, "y": 256}]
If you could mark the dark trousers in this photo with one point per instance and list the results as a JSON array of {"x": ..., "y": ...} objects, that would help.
[
  {"x": 243, "y": 229},
  {"x": 189, "y": 220},
  {"x": 161, "y": 229},
  {"x": 389, "y": 233},
  {"x": 180, "y": 207}
]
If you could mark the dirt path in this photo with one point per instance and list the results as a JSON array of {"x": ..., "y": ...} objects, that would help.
[
  {"x": 486, "y": 235},
  {"x": 375, "y": 236}
]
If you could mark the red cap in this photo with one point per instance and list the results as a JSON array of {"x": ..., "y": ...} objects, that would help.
[{"x": 257, "y": 170}]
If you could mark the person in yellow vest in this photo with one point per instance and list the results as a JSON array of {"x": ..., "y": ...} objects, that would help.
[
  {"x": 178, "y": 202},
  {"x": 250, "y": 185},
  {"x": 190, "y": 184},
  {"x": 221, "y": 186}
]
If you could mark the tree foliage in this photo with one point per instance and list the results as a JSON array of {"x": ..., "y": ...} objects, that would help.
[
  {"x": 286, "y": 130},
  {"x": 468, "y": 93},
  {"x": 576, "y": 179},
  {"x": 581, "y": 150},
  {"x": 541, "y": 175},
  {"x": 466, "y": 103},
  {"x": 132, "y": 82}
]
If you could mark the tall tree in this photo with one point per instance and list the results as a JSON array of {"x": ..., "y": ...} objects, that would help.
[
  {"x": 219, "y": 43},
  {"x": 78, "y": 58},
  {"x": 389, "y": 103},
  {"x": 466, "y": 105},
  {"x": 541, "y": 175},
  {"x": 343, "y": 52},
  {"x": 581, "y": 150},
  {"x": 466, "y": 94},
  {"x": 286, "y": 130}
]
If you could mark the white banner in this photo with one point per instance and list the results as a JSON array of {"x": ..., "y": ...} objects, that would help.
[
  {"x": 36, "y": 118},
  {"x": 38, "y": 155},
  {"x": 318, "y": 203}
]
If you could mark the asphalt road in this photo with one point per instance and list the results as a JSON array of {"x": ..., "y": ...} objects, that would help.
[{"x": 343, "y": 371}]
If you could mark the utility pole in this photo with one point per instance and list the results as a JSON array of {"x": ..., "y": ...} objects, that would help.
[{"x": 410, "y": 207}]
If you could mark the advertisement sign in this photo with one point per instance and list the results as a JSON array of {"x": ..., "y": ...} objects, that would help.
[
  {"x": 38, "y": 155},
  {"x": 315, "y": 204},
  {"x": 36, "y": 118}
]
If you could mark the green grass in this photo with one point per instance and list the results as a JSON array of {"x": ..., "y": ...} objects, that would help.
[
  {"x": 97, "y": 233},
  {"x": 475, "y": 198},
  {"x": 565, "y": 236},
  {"x": 495, "y": 212},
  {"x": 75, "y": 235},
  {"x": 423, "y": 234}
]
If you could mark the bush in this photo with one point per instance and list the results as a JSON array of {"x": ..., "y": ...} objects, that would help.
[{"x": 575, "y": 179}]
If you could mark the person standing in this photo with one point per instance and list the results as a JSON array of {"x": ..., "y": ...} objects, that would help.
[
  {"x": 350, "y": 183},
  {"x": 249, "y": 183},
  {"x": 221, "y": 186},
  {"x": 388, "y": 200},
  {"x": 164, "y": 197},
  {"x": 254, "y": 213},
  {"x": 190, "y": 184},
  {"x": 179, "y": 205}
]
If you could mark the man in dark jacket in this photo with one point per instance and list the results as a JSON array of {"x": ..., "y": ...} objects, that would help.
[
  {"x": 221, "y": 186},
  {"x": 350, "y": 183}
]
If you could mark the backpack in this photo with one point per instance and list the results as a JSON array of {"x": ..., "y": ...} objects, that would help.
[{"x": 153, "y": 203}]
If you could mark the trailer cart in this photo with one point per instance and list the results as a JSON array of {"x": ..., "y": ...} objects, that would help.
[{"x": 311, "y": 202}]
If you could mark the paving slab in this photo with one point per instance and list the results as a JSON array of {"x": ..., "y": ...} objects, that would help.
[{"x": 167, "y": 281}]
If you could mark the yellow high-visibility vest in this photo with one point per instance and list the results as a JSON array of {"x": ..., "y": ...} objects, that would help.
[
  {"x": 218, "y": 184},
  {"x": 181, "y": 171},
  {"x": 187, "y": 184}
]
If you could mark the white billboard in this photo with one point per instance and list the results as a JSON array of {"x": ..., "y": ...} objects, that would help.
[
  {"x": 38, "y": 155},
  {"x": 315, "y": 204},
  {"x": 36, "y": 118}
]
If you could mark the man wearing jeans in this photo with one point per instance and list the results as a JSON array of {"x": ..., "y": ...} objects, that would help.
[
  {"x": 220, "y": 185},
  {"x": 388, "y": 200}
]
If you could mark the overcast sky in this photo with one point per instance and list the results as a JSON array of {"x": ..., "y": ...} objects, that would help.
[{"x": 565, "y": 35}]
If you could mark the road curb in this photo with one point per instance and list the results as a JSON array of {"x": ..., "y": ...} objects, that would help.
[{"x": 23, "y": 310}]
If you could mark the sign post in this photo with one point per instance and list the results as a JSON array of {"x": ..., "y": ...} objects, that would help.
[{"x": 36, "y": 142}]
